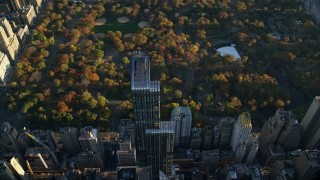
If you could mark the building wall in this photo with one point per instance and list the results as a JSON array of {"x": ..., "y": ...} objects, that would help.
[
  {"x": 183, "y": 118},
  {"x": 17, "y": 169},
  {"x": 89, "y": 160},
  {"x": 8, "y": 137},
  {"x": 252, "y": 149},
  {"x": 69, "y": 137},
  {"x": 126, "y": 158},
  {"x": 28, "y": 15},
  {"x": 226, "y": 127},
  {"x": 240, "y": 151},
  {"x": 8, "y": 40},
  {"x": 35, "y": 162},
  {"x": 35, "y": 3},
  {"x": 9, "y": 45},
  {"x": 289, "y": 138},
  {"x": 207, "y": 138},
  {"x": 5, "y": 172},
  {"x": 241, "y": 130},
  {"x": 6, "y": 26},
  {"x": 306, "y": 167},
  {"x": 5, "y": 67},
  {"x": 195, "y": 140},
  {"x": 90, "y": 140},
  {"x": 311, "y": 126},
  {"x": 146, "y": 112},
  {"x": 270, "y": 131}
]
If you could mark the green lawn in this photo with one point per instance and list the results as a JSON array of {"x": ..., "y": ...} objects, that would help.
[{"x": 113, "y": 25}]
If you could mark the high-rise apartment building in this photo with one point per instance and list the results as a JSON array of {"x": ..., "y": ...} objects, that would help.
[
  {"x": 9, "y": 43},
  {"x": 311, "y": 126},
  {"x": 45, "y": 136},
  {"x": 196, "y": 138},
  {"x": 90, "y": 140},
  {"x": 183, "y": 119},
  {"x": 274, "y": 153},
  {"x": 289, "y": 137},
  {"x": 240, "y": 151},
  {"x": 5, "y": 68},
  {"x": 127, "y": 129},
  {"x": 8, "y": 137},
  {"x": 252, "y": 149},
  {"x": 226, "y": 127},
  {"x": 15, "y": 4},
  {"x": 36, "y": 3},
  {"x": 241, "y": 131},
  {"x": 5, "y": 172},
  {"x": 207, "y": 138},
  {"x": 210, "y": 158},
  {"x": 164, "y": 159},
  {"x": 216, "y": 135},
  {"x": 15, "y": 167},
  {"x": 126, "y": 154},
  {"x": 154, "y": 139},
  {"x": 6, "y": 26},
  {"x": 272, "y": 128},
  {"x": 40, "y": 159},
  {"x": 89, "y": 159},
  {"x": 28, "y": 15},
  {"x": 282, "y": 170},
  {"x": 69, "y": 138}
]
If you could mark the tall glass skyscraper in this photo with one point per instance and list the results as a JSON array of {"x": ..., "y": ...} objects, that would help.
[
  {"x": 311, "y": 126},
  {"x": 146, "y": 111}
]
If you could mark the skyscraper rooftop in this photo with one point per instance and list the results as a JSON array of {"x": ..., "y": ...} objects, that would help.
[
  {"x": 245, "y": 119},
  {"x": 140, "y": 77}
]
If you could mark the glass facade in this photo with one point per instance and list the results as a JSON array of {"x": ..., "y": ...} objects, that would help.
[{"x": 146, "y": 111}]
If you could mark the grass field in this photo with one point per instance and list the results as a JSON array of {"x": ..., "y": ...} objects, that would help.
[{"x": 113, "y": 25}]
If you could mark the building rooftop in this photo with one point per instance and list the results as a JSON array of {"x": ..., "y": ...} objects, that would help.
[
  {"x": 276, "y": 150},
  {"x": 211, "y": 153},
  {"x": 5, "y": 129},
  {"x": 313, "y": 154},
  {"x": 88, "y": 133},
  {"x": 165, "y": 127},
  {"x": 229, "y": 50},
  {"x": 109, "y": 136},
  {"x": 26, "y": 9},
  {"x": 34, "y": 151},
  {"x": 286, "y": 115},
  {"x": 245, "y": 120},
  {"x": 42, "y": 135},
  {"x": 227, "y": 120},
  {"x": 284, "y": 164},
  {"x": 69, "y": 130},
  {"x": 255, "y": 173},
  {"x": 181, "y": 110},
  {"x": 127, "y": 172},
  {"x": 196, "y": 132},
  {"x": 140, "y": 75}
]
